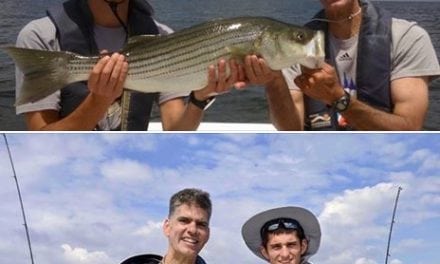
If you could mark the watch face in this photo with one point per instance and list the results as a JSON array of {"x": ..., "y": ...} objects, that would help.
[{"x": 342, "y": 103}]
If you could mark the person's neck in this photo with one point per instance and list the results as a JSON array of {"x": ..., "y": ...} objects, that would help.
[
  {"x": 173, "y": 258},
  {"x": 349, "y": 23},
  {"x": 103, "y": 15}
]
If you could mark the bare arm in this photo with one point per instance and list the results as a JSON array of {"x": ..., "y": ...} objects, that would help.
[
  {"x": 176, "y": 115},
  {"x": 286, "y": 108},
  {"x": 409, "y": 96},
  {"x": 105, "y": 85},
  {"x": 85, "y": 117}
]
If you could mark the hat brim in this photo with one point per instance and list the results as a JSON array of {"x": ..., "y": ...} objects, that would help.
[{"x": 312, "y": 230}]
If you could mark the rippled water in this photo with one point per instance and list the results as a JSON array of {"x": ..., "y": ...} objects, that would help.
[{"x": 244, "y": 106}]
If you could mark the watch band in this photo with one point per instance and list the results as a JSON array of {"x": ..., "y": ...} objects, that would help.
[{"x": 203, "y": 105}]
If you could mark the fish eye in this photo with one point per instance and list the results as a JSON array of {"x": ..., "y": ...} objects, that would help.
[{"x": 300, "y": 36}]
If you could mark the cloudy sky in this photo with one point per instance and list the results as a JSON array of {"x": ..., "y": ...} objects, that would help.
[{"x": 98, "y": 199}]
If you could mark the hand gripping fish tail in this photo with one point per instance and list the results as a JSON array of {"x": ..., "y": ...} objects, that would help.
[{"x": 158, "y": 63}]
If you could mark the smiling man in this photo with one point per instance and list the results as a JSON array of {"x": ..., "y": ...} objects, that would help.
[
  {"x": 187, "y": 226},
  {"x": 187, "y": 230},
  {"x": 286, "y": 235}
]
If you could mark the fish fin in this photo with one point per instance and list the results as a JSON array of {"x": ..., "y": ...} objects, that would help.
[
  {"x": 44, "y": 71},
  {"x": 139, "y": 40}
]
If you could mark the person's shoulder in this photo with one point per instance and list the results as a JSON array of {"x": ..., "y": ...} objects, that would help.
[
  {"x": 200, "y": 260},
  {"x": 39, "y": 26},
  {"x": 38, "y": 33},
  {"x": 413, "y": 53},
  {"x": 408, "y": 35},
  {"x": 405, "y": 28}
]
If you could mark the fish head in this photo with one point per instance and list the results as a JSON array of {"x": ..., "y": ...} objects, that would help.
[{"x": 285, "y": 46}]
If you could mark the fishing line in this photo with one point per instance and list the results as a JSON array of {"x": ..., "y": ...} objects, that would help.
[
  {"x": 350, "y": 17},
  {"x": 21, "y": 200}
]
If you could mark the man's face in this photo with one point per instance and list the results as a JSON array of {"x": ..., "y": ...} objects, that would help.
[
  {"x": 337, "y": 5},
  {"x": 187, "y": 230},
  {"x": 117, "y": 1},
  {"x": 284, "y": 248}
]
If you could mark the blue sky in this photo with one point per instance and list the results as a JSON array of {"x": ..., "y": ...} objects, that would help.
[{"x": 93, "y": 198}]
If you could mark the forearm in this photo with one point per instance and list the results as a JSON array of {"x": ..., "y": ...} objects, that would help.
[
  {"x": 361, "y": 116},
  {"x": 178, "y": 115},
  {"x": 85, "y": 117},
  {"x": 189, "y": 120},
  {"x": 283, "y": 112}
]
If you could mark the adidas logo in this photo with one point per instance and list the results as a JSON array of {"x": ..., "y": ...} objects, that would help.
[{"x": 345, "y": 57}]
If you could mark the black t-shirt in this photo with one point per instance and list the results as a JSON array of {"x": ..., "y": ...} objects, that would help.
[
  {"x": 143, "y": 259},
  {"x": 152, "y": 259}
]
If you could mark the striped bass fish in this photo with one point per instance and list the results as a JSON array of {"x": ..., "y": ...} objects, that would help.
[{"x": 177, "y": 62}]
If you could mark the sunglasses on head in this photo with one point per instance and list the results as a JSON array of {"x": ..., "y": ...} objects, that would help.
[{"x": 275, "y": 224}]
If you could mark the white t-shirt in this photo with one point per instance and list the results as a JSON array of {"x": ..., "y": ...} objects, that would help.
[{"x": 41, "y": 34}]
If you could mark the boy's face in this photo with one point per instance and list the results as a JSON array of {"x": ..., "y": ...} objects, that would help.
[
  {"x": 338, "y": 7},
  {"x": 335, "y": 3},
  {"x": 284, "y": 248}
]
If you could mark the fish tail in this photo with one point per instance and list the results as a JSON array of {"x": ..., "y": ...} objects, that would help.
[{"x": 44, "y": 71}]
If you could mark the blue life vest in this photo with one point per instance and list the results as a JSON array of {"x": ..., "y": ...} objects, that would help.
[
  {"x": 74, "y": 23},
  {"x": 373, "y": 70}
]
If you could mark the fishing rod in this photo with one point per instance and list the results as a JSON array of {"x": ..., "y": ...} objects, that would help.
[
  {"x": 392, "y": 223},
  {"x": 21, "y": 200}
]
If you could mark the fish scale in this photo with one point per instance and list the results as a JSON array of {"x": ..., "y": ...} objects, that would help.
[
  {"x": 177, "y": 62},
  {"x": 182, "y": 44},
  {"x": 192, "y": 51},
  {"x": 189, "y": 56}
]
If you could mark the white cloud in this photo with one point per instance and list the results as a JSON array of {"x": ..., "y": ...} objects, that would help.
[
  {"x": 126, "y": 171},
  {"x": 365, "y": 261},
  {"x": 394, "y": 153},
  {"x": 358, "y": 207},
  {"x": 46, "y": 221},
  {"x": 83, "y": 256},
  {"x": 419, "y": 155},
  {"x": 419, "y": 196},
  {"x": 122, "y": 142},
  {"x": 149, "y": 228},
  {"x": 352, "y": 220}
]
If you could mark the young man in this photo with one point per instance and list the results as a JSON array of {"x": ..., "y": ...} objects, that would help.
[
  {"x": 287, "y": 235},
  {"x": 187, "y": 230},
  {"x": 376, "y": 76},
  {"x": 89, "y": 27}
]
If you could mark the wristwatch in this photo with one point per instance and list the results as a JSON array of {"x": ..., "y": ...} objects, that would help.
[
  {"x": 342, "y": 103},
  {"x": 205, "y": 104}
]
